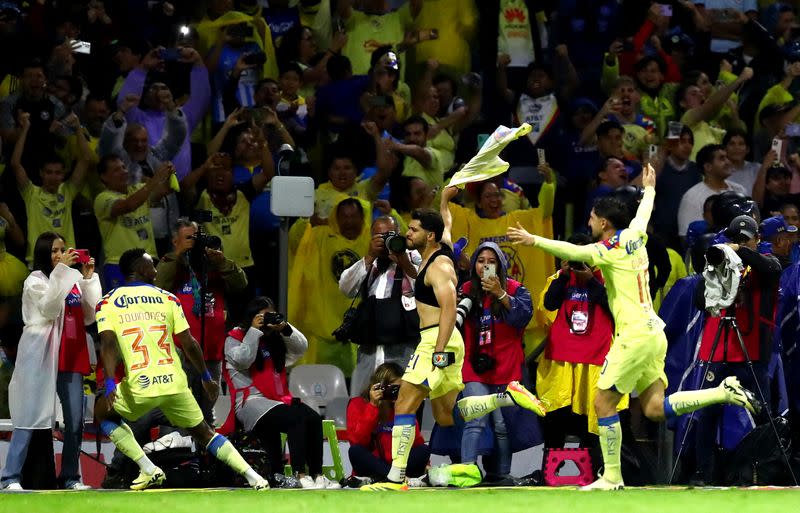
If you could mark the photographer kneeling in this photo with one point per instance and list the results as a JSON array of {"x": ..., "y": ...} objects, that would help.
[
  {"x": 370, "y": 418},
  {"x": 753, "y": 305},
  {"x": 494, "y": 311},
  {"x": 257, "y": 353},
  {"x": 198, "y": 258}
]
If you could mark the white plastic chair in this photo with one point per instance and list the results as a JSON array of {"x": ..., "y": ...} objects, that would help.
[
  {"x": 336, "y": 410},
  {"x": 317, "y": 385}
]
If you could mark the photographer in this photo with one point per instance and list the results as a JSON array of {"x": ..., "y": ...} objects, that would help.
[
  {"x": 257, "y": 353},
  {"x": 580, "y": 335},
  {"x": 370, "y": 418},
  {"x": 194, "y": 259},
  {"x": 388, "y": 327},
  {"x": 494, "y": 312},
  {"x": 753, "y": 305}
]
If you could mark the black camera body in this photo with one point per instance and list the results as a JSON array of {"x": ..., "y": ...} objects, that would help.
[
  {"x": 203, "y": 240},
  {"x": 394, "y": 242},
  {"x": 344, "y": 333},
  {"x": 273, "y": 318},
  {"x": 483, "y": 362},
  {"x": 390, "y": 391}
]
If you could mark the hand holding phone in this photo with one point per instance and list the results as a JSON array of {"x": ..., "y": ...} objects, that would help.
[
  {"x": 83, "y": 256},
  {"x": 489, "y": 271}
]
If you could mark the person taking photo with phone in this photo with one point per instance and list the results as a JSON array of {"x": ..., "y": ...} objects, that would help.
[
  {"x": 58, "y": 301},
  {"x": 370, "y": 419}
]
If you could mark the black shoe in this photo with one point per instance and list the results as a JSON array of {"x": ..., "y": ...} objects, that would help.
[
  {"x": 536, "y": 478},
  {"x": 115, "y": 481}
]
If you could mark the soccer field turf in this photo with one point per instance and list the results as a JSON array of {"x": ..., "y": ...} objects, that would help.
[{"x": 527, "y": 500}]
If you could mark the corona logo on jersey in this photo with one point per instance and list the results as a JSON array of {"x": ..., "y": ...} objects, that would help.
[{"x": 123, "y": 301}]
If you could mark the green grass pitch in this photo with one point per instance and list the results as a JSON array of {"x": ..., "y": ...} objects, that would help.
[{"x": 523, "y": 500}]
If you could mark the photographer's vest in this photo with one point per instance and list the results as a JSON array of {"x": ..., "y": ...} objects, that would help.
[
  {"x": 503, "y": 343},
  {"x": 213, "y": 340},
  {"x": 751, "y": 322},
  {"x": 267, "y": 380},
  {"x": 582, "y": 331}
]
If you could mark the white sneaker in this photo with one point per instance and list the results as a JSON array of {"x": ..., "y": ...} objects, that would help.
[
  {"x": 603, "y": 484},
  {"x": 78, "y": 486},
  {"x": 172, "y": 440},
  {"x": 307, "y": 482},
  {"x": 13, "y": 487},
  {"x": 739, "y": 395},
  {"x": 322, "y": 482}
]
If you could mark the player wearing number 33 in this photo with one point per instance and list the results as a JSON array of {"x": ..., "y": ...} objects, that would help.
[
  {"x": 636, "y": 360},
  {"x": 136, "y": 323},
  {"x": 434, "y": 369}
]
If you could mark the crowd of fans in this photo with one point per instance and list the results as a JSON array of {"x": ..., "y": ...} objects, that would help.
[{"x": 160, "y": 125}]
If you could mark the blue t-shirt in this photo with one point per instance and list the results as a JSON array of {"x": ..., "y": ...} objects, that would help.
[{"x": 342, "y": 98}]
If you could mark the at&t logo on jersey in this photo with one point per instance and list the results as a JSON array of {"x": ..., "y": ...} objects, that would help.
[
  {"x": 145, "y": 381},
  {"x": 123, "y": 301}
]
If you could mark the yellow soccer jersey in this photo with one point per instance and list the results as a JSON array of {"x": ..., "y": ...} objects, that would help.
[
  {"x": 144, "y": 318},
  {"x": 624, "y": 262}
]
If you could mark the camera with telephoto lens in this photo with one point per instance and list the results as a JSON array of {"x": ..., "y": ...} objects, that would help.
[
  {"x": 462, "y": 311},
  {"x": 483, "y": 362},
  {"x": 273, "y": 318},
  {"x": 394, "y": 242}
]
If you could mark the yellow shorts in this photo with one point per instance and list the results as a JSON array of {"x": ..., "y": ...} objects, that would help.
[
  {"x": 181, "y": 409},
  {"x": 634, "y": 362},
  {"x": 420, "y": 370}
]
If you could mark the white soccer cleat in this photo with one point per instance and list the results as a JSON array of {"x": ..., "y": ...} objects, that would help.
[
  {"x": 145, "y": 481},
  {"x": 739, "y": 395},
  {"x": 604, "y": 485}
]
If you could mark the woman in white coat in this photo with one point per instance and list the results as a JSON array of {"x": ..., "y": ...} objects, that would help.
[{"x": 58, "y": 301}]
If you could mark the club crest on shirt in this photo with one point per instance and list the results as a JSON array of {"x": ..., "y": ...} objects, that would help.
[{"x": 342, "y": 260}]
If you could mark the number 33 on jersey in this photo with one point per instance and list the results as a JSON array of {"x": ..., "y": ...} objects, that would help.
[{"x": 144, "y": 318}]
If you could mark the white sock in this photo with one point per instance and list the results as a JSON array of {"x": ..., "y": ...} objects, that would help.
[
  {"x": 252, "y": 476},
  {"x": 145, "y": 465}
]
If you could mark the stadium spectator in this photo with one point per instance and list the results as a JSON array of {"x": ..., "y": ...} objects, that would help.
[
  {"x": 370, "y": 418},
  {"x": 58, "y": 301},
  {"x": 131, "y": 143},
  {"x": 153, "y": 106},
  {"x": 123, "y": 212},
  {"x": 48, "y": 207},
  {"x": 257, "y": 353},
  {"x": 322, "y": 255},
  {"x": 716, "y": 168},
  {"x": 678, "y": 175}
]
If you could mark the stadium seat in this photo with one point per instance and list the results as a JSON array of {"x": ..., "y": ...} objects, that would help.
[
  {"x": 317, "y": 385},
  {"x": 336, "y": 410}
]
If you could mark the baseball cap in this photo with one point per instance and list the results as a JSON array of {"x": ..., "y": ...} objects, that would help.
[
  {"x": 744, "y": 226},
  {"x": 772, "y": 226}
]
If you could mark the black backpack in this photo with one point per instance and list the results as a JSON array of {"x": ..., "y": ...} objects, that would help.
[{"x": 758, "y": 460}]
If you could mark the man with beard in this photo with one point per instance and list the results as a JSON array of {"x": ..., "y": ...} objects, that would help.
[{"x": 636, "y": 360}]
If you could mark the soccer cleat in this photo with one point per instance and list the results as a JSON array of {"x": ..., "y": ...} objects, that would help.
[
  {"x": 524, "y": 399},
  {"x": 145, "y": 481},
  {"x": 385, "y": 486},
  {"x": 739, "y": 395},
  {"x": 604, "y": 485},
  {"x": 261, "y": 485}
]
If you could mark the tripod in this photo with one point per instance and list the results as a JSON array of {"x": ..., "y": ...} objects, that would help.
[{"x": 727, "y": 325}]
